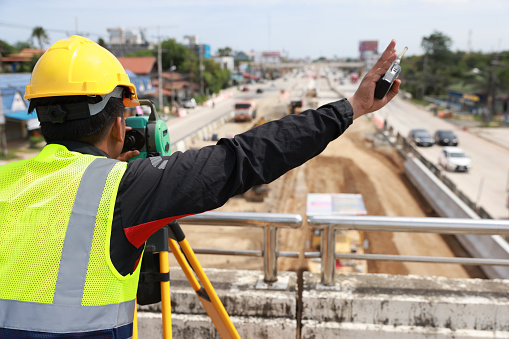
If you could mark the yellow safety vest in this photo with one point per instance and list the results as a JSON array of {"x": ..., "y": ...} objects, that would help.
[{"x": 56, "y": 275}]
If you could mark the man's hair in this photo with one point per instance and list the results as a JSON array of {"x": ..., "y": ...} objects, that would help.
[{"x": 89, "y": 130}]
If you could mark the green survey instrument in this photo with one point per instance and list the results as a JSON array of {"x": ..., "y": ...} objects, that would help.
[{"x": 149, "y": 134}]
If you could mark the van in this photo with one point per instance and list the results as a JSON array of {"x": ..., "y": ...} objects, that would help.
[{"x": 245, "y": 111}]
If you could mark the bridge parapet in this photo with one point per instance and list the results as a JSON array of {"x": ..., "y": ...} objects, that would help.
[{"x": 355, "y": 306}]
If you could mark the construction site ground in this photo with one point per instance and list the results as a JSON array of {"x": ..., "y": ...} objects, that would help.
[{"x": 353, "y": 163}]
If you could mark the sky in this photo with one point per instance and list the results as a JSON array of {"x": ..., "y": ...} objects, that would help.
[{"x": 297, "y": 28}]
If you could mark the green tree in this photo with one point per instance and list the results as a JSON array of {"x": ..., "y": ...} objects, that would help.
[
  {"x": 19, "y": 45},
  {"x": 40, "y": 34},
  {"x": 6, "y": 49},
  {"x": 214, "y": 76},
  {"x": 440, "y": 69},
  {"x": 102, "y": 43},
  {"x": 436, "y": 46},
  {"x": 142, "y": 53},
  {"x": 28, "y": 67},
  {"x": 435, "y": 78},
  {"x": 173, "y": 52},
  {"x": 226, "y": 51}
]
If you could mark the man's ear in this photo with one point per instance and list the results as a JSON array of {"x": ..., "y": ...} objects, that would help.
[{"x": 118, "y": 130}]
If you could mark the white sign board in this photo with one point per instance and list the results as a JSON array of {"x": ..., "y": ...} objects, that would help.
[{"x": 335, "y": 204}]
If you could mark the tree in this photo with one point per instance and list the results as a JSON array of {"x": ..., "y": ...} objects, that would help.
[
  {"x": 215, "y": 77},
  {"x": 6, "y": 49},
  {"x": 174, "y": 52},
  {"x": 142, "y": 53},
  {"x": 227, "y": 51},
  {"x": 101, "y": 42},
  {"x": 40, "y": 34},
  {"x": 28, "y": 67},
  {"x": 436, "y": 47},
  {"x": 19, "y": 45}
]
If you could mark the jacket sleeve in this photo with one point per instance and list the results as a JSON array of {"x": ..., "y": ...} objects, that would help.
[{"x": 155, "y": 191}]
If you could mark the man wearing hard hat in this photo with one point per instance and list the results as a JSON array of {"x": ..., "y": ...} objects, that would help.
[{"x": 74, "y": 219}]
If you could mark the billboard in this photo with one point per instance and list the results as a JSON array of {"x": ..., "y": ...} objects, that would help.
[
  {"x": 368, "y": 47},
  {"x": 271, "y": 54}
]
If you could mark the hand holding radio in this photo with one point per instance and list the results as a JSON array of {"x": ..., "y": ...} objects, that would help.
[
  {"x": 385, "y": 83},
  {"x": 364, "y": 101}
]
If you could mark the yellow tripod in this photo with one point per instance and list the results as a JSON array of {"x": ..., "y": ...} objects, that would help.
[{"x": 172, "y": 237}]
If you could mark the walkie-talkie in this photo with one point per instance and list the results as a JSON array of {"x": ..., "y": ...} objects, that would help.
[{"x": 384, "y": 84}]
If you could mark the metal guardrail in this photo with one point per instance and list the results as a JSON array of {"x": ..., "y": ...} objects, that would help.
[
  {"x": 270, "y": 222},
  {"x": 329, "y": 225}
]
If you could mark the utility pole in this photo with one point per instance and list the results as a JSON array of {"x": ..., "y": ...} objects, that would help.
[
  {"x": 160, "y": 73},
  {"x": 172, "y": 69},
  {"x": 422, "y": 89},
  {"x": 3, "y": 139},
  {"x": 201, "y": 70},
  {"x": 492, "y": 91}
]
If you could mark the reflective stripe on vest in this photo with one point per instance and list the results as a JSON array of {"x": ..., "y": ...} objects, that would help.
[{"x": 65, "y": 314}]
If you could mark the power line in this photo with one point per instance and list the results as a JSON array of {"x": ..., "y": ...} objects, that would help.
[{"x": 68, "y": 32}]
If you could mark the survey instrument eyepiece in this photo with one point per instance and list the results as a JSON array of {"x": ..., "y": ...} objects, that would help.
[
  {"x": 385, "y": 83},
  {"x": 149, "y": 134}
]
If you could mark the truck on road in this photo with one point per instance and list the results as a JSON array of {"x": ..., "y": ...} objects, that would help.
[{"x": 245, "y": 110}]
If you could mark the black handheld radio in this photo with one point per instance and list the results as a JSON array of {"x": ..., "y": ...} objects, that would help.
[
  {"x": 385, "y": 83},
  {"x": 149, "y": 135}
]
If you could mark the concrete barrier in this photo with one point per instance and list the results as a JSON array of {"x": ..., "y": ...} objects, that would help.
[
  {"x": 438, "y": 195},
  {"x": 356, "y": 306},
  {"x": 256, "y": 309},
  {"x": 447, "y": 204},
  {"x": 389, "y": 306},
  {"x": 185, "y": 143}
]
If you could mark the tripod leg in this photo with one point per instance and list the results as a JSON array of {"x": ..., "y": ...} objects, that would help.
[
  {"x": 135, "y": 321},
  {"x": 206, "y": 294},
  {"x": 164, "y": 267}
]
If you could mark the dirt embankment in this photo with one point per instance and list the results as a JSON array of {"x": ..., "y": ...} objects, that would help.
[{"x": 348, "y": 165}]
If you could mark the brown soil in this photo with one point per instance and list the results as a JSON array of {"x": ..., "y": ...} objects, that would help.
[{"x": 351, "y": 164}]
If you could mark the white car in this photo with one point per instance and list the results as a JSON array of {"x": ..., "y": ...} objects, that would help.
[
  {"x": 454, "y": 159},
  {"x": 191, "y": 103}
]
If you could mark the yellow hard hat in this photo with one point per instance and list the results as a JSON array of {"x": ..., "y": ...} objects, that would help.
[{"x": 78, "y": 66}]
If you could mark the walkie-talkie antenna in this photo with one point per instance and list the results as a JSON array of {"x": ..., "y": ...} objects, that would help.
[{"x": 398, "y": 60}]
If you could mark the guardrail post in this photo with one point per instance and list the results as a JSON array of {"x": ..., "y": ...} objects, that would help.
[
  {"x": 269, "y": 254},
  {"x": 328, "y": 249}
]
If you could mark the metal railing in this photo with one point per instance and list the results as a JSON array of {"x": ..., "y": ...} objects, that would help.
[
  {"x": 270, "y": 222},
  {"x": 329, "y": 225}
]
